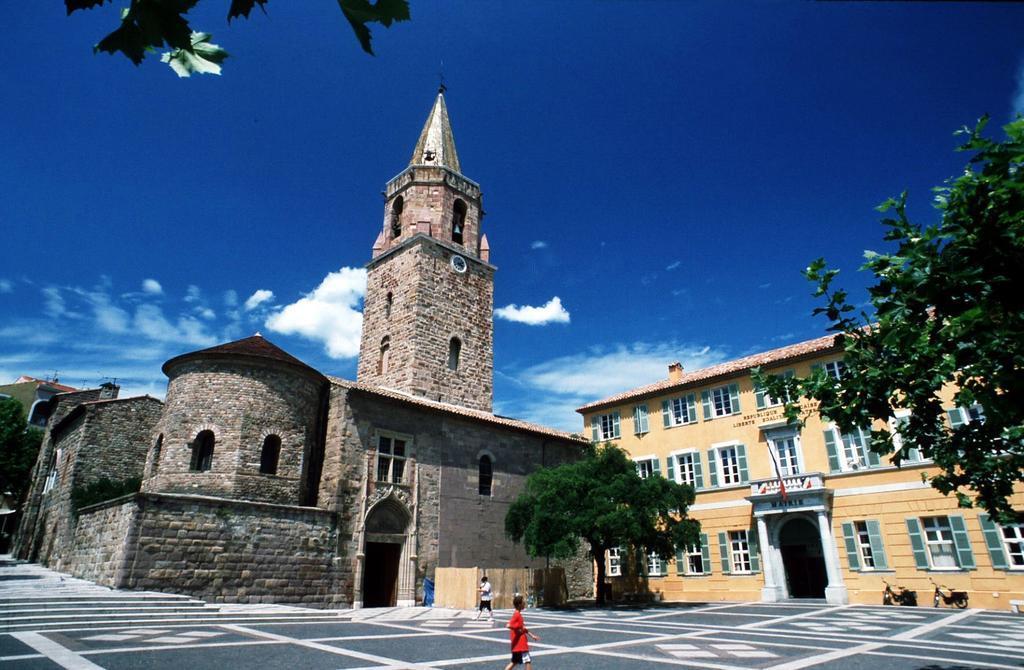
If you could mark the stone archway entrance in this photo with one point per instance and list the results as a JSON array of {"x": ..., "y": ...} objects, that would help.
[
  {"x": 803, "y": 559},
  {"x": 386, "y": 575}
]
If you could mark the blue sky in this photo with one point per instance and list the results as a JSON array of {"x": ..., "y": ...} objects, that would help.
[{"x": 662, "y": 170}]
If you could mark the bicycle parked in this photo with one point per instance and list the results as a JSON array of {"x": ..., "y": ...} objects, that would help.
[
  {"x": 953, "y": 599},
  {"x": 898, "y": 596}
]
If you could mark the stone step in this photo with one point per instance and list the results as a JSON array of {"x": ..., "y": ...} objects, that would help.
[
  {"x": 72, "y": 622},
  {"x": 93, "y": 603},
  {"x": 7, "y": 613}
]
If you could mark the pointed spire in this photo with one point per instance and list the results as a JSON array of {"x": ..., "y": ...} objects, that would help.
[{"x": 436, "y": 145}]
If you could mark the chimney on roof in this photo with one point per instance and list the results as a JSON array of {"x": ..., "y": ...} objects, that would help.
[
  {"x": 108, "y": 390},
  {"x": 675, "y": 371}
]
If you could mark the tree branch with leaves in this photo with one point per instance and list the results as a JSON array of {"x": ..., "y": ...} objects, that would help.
[
  {"x": 149, "y": 25},
  {"x": 948, "y": 312}
]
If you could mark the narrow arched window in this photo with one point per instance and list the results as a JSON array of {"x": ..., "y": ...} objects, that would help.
[
  {"x": 396, "y": 217},
  {"x": 458, "y": 221},
  {"x": 388, "y": 301},
  {"x": 157, "y": 447},
  {"x": 202, "y": 451},
  {"x": 270, "y": 455},
  {"x": 385, "y": 355},
  {"x": 454, "y": 351},
  {"x": 486, "y": 475}
]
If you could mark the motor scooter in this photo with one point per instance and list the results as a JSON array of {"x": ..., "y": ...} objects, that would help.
[
  {"x": 954, "y": 598},
  {"x": 898, "y": 596}
]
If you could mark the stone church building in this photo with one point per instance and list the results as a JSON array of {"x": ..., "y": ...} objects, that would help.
[{"x": 264, "y": 480}]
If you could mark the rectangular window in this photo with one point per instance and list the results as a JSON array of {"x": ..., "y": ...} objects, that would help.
[
  {"x": 640, "y": 423},
  {"x": 605, "y": 426},
  {"x": 614, "y": 567},
  {"x": 645, "y": 467},
  {"x": 694, "y": 560},
  {"x": 763, "y": 400},
  {"x": 686, "y": 468},
  {"x": 1013, "y": 541},
  {"x": 835, "y": 369},
  {"x": 786, "y": 450},
  {"x": 722, "y": 402},
  {"x": 911, "y": 454},
  {"x": 739, "y": 551},
  {"x": 728, "y": 466},
  {"x": 680, "y": 411},
  {"x": 867, "y": 557},
  {"x": 655, "y": 566},
  {"x": 391, "y": 455},
  {"x": 854, "y": 451},
  {"x": 939, "y": 542}
]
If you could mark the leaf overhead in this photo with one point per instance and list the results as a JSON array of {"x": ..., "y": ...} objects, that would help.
[
  {"x": 361, "y": 12},
  {"x": 203, "y": 58},
  {"x": 244, "y": 7}
]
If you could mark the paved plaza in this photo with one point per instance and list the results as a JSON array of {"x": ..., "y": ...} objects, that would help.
[{"x": 53, "y": 622}]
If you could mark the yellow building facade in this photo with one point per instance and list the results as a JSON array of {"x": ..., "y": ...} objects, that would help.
[{"x": 847, "y": 520}]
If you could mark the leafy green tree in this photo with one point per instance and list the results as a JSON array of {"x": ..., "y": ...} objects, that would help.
[
  {"x": 19, "y": 447},
  {"x": 601, "y": 500},
  {"x": 948, "y": 310},
  {"x": 147, "y": 25}
]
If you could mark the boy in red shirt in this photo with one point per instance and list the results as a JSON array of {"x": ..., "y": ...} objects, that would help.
[{"x": 518, "y": 634}]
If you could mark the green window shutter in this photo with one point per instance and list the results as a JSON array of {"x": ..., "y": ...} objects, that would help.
[
  {"x": 833, "y": 452},
  {"x": 850, "y": 539},
  {"x": 734, "y": 398},
  {"x": 657, "y": 466},
  {"x": 640, "y": 419},
  {"x": 666, "y": 414},
  {"x": 691, "y": 408},
  {"x": 712, "y": 468},
  {"x": 815, "y": 367},
  {"x": 994, "y": 542},
  {"x": 615, "y": 424},
  {"x": 723, "y": 550},
  {"x": 680, "y": 562},
  {"x": 670, "y": 468},
  {"x": 755, "y": 551},
  {"x": 917, "y": 543},
  {"x": 877, "y": 547},
  {"x": 872, "y": 458},
  {"x": 698, "y": 471},
  {"x": 965, "y": 557},
  {"x": 705, "y": 399},
  {"x": 956, "y": 417},
  {"x": 705, "y": 553},
  {"x": 593, "y": 427},
  {"x": 759, "y": 396},
  {"x": 741, "y": 459}
]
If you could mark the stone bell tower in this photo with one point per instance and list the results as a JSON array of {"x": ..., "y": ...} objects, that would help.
[{"x": 428, "y": 314}]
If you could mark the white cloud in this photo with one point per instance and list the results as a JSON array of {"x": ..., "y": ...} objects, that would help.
[
  {"x": 330, "y": 314},
  {"x": 206, "y": 313},
  {"x": 673, "y": 265},
  {"x": 152, "y": 287},
  {"x": 550, "y": 312},
  {"x": 538, "y": 244},
  {"x": 258, "y": 298},
  {"x": 231, "y": 297},
  {"x": 549, "y": 392},
  {"x": 6, "y": 286},
  {"x": 151, "y": 322},
  {"x": 53, "y": 302},
  {"x": 193, "y": 294}
]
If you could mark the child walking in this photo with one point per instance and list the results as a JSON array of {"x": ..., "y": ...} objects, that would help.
[
  {"x": 485, "y": 600},
  {"x": 518, "y": 634}
]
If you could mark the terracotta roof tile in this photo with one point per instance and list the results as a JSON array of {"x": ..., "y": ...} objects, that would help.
[
  {"x": 255, "y": 346},
  {"x": 456, "y": 410},
  {"x": 727, "y": 369}
]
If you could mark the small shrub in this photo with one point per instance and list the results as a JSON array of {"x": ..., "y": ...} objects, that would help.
[{"x": 102, "y": 490}]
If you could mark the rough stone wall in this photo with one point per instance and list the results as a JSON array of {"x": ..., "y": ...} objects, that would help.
[
  {"x": 242, "y": 402},
  {"x": 233, "y": 551},
  {"x": 431, "y": 303},
  {"x": 102, "y": 535},
  {"x": 25, "y": 545},
  {"x": 456, "y": 526}
]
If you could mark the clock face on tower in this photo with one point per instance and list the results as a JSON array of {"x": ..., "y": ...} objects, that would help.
[{"x": 458, "y": 264}]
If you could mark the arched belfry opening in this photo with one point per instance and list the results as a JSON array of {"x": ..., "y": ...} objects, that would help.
[{"x": 388, "y": 576}]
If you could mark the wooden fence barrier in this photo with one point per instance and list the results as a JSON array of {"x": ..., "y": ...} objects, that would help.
[{"x": 457, "y": 587}]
